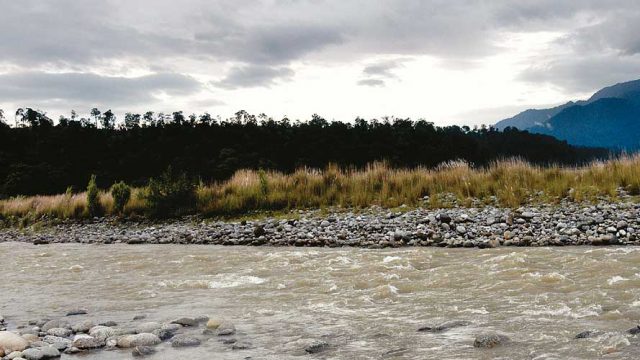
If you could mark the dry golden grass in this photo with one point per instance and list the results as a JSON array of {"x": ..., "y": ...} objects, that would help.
[{"x": 508, "y": 183}]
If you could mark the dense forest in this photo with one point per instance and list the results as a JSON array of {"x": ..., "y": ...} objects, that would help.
[{"x": 38, "y": 156}]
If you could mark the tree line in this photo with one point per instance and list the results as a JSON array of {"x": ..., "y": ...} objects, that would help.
[{"x": 38, "y": 156}]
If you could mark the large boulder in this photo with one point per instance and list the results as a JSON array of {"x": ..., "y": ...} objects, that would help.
[
  {"x": 143, "y": 339},
  {"x": 11, "y": 342}
]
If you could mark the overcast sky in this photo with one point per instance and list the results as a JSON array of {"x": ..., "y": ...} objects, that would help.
[{"x": 450, "y": 62}]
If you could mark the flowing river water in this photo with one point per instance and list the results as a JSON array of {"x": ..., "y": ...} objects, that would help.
[{"x": 367, "y": 304}]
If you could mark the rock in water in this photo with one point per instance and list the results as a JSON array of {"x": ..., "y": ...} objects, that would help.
[
  {"x": 60, "y": 332},
  {"x": 634, "y": 330},
  {"x": 148, "y": 327},
  {"x": 32, "y": 354},
  {"x": 45, "y": 352},
  {"x": 82, "y": 326},
  {"x": 587, "y": 334},
  {"x": 143, "y": 339},
  {"x": 316, "y": 347},
  {"x": 143, "y": 351},
  {"x": 11, "y": 342},
  {"x": 488, "y": 341},
  {"x": 77, "y": 312},
  {"x": 86, "y": 342},
  {"x": 444, "y": 326},
  {"x": 184, "y": 340},
  {"x": 55, "y": 324},
  {"x": 226, "y": 329},
  {"x": 185, "y": 322},
  {"x": 213, "y": 323}
]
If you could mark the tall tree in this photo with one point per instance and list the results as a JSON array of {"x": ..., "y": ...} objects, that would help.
[
  {"x": 148, "y": 118},
  {"x": 20, "y": 113},
  {"x": 96, "y": 114},
  {"x": 108, "y": 119},
  {"x": 178, "y": 117}
]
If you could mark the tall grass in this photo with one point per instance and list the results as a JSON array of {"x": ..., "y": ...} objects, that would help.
[{"x": 509, "y": 183}]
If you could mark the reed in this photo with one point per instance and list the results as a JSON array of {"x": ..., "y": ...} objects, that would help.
[{"x": 510, "y": 183}]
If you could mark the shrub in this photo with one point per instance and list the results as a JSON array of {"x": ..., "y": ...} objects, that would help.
[
  {"x": 170, "y": 195},
  {"x": 121, "y": 194},
  {"x": 93, "y": 201}
]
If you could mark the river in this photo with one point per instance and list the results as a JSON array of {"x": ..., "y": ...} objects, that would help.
[{"x": 367, "y": 304}]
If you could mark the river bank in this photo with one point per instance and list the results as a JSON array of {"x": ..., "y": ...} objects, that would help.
[{"x": 569, "y": 223}]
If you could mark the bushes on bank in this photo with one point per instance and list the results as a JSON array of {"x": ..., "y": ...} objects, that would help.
[
  {"x": 93, "y": 200},
  {"x": 121, "y": 194},
  {"x": 170, "y": 195}
]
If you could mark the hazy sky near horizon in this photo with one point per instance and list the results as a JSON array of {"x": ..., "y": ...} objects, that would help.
[{"x": 450, "y": 62}]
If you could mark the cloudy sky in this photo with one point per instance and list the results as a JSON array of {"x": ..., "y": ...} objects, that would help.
[{"x": 450, "y": 62}]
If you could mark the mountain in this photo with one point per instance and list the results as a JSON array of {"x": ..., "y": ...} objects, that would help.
[
  {"x": 532, "y": 117},
  {"x": 609, "y": 118}
]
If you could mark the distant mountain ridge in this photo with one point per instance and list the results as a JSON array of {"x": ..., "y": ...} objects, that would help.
[{"x": 609, "y": 118}]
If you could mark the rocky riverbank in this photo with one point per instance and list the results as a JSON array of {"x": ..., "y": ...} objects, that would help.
[
  {"x": 78, "y": 333},
  {"x": 568, "y": 223}
]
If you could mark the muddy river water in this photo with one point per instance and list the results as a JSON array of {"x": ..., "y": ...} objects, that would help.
[{"x": 366, "y": 304}]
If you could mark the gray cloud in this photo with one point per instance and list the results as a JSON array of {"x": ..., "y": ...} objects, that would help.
[
  {"x": 89, "y": 88},
  {"x": 371, "y": 82},
  {"x": 253, "y": 75},
  {"x": 377, "y": 74},
  {"x": 584, "y": 74},
  {"x": 261, "y": 39}
]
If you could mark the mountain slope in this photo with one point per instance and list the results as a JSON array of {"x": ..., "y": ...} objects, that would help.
[
  {"x": 531, "y": 117},
  {"x": 609, "y": 118},
  {"x": 607, "y": 122}
]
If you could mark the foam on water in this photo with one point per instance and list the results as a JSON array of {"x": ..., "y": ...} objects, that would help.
[{"x": 221, "y": 281}]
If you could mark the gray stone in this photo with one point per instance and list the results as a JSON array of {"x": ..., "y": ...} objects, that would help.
[
  {"x": 316, "y": 347},
  {"x": 226, "y": 329},
  {"x": 444, "y": 326},
  {"x": 143, "y": 339},
  {"x": 77, "y": 312},
  {"x": 82, "y": 326},
  {"x": 87, "y": 342},
  {"x": 142, "y": 351},
  {"x": 58, "y": 323},
  {"x": 488, "y": 341},
  {"x": 61, "y": 332},
  {"x": 185, "y": 322},
  {"x": 184, "y": 340}
]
